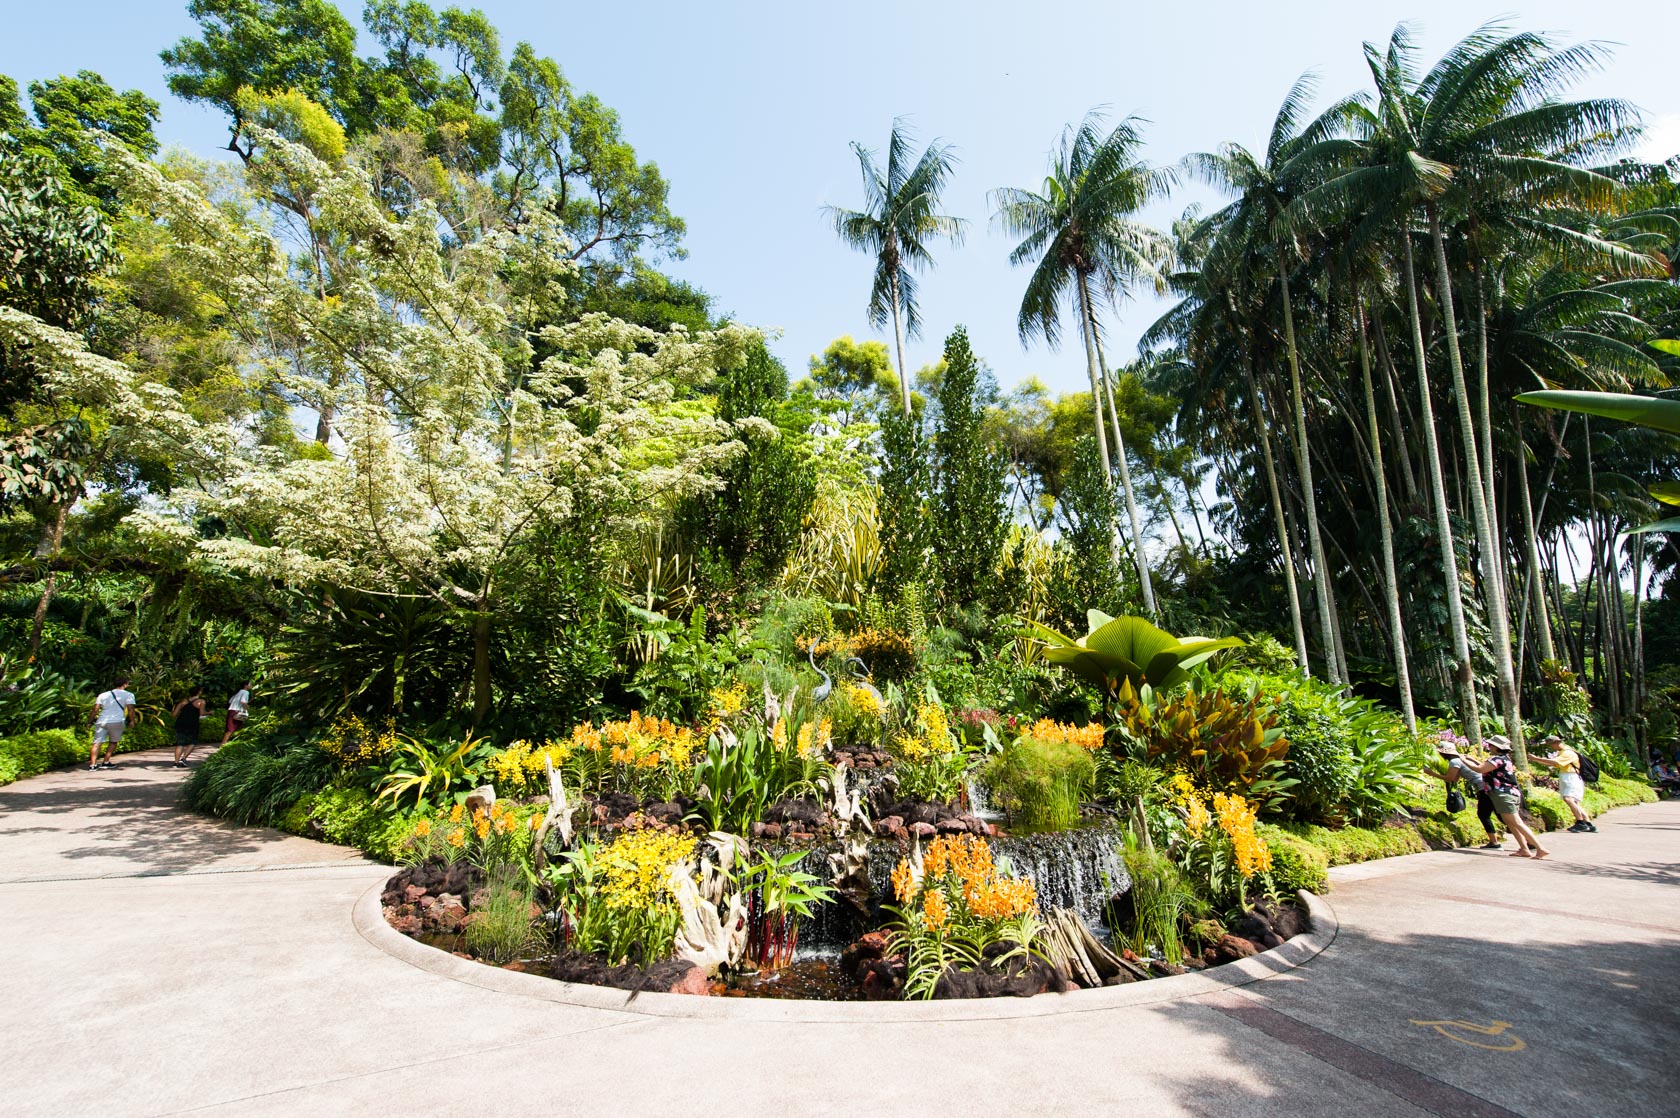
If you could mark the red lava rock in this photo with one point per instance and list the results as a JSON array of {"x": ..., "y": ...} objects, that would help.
[
  {"x": 991, "y": 830},
  {"x": 516, "y": 965},
  {"x": 1232, "y": 947},
  {"x": 955, "y": 826},
  {"x": 924, "y": 830},
  {"x": 405, "y": 922},
  {"x": 413, "y": 893},
  {"x": 772, "y": 831},
  {"x": 693, "y": 982}
]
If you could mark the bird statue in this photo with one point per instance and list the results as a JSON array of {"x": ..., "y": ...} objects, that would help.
[
  {"x": 863, "y": 681},
  {"x": 827, "y": 684}
]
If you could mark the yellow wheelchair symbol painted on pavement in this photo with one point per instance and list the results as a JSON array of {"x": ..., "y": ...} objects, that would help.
[{"x": 1452, "y": 1030}]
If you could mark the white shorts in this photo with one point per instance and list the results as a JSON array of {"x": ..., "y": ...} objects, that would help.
[
  {"x": 1571, "y": 786},
  {"x": 108, "y": 733}
]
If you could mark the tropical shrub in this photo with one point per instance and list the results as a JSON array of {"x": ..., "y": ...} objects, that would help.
[
  {"x": 258, "y": 775},
  {"x": 354, "y": 743},
  {"x": 491, "y": 839},
  {"x": 616, "y": 899},
  {"x": 1224, "y": 739},
  {"x": 857, "y": 714},
  {"x": 955, "y": 903},
  {"x": 778, "y": 897},
  {"x": 1312, "y": 717},
  {"x": 33, "y": 697},
  {"x": 431, "y": 772},
  {"x": 1040, "y": 781},
  {"x": 686, "y": 666},
  {"x": 24, "y": 755},
  {"x": 521, "y": 769}
]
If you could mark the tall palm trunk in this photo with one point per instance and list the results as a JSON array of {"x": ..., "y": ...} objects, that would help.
[
  {"x": 1391, "y": 584},
  {"x": 1531, "y": 547},
  {"x": 1120, "y": 457},
  {"x": 1304, "y": 467},
  {"x": 1492, "y": 563},
  {"x": 1464, "y": 669},
  {"x": 1262, "y": 429},
  {"x": 1087, "y": 331},
  {"x": 898, "y": 340}
]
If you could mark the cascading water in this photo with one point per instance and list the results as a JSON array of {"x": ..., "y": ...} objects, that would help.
[{"x": 1078, "y": 869}]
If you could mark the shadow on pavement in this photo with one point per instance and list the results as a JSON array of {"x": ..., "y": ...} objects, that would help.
[
  {"x": 1458, "y": 1024},
  {"x": 129, "y": 818}
]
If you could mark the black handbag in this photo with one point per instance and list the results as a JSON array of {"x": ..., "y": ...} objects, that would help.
[{"x": 1455, "y": 801}]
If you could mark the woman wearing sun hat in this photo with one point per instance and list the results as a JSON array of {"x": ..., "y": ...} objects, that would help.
[
  {"x": 1500, "y": 776},
  {"x": 1460, "y": 767},
  {"x": 1567, "y": 764}
]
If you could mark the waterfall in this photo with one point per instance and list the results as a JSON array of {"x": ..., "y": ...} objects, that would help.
[{"x": 1078, "y": 869}]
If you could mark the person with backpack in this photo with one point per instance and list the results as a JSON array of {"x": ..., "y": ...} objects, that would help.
[
  {"x": 1500, "y": 776},
  {"x": 188, "y": 712},
  {"x": 1573, "y": 774},
  {"x": 111, "y": 713},
  {"x": 1461, "y": 768}
]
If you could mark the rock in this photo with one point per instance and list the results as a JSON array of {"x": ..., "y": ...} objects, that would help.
[
  {"x": 991, "y": 830},
  {"x": 517, "y": 966},
  {"x": 924, "y": 830},
  {"x": 692, "y": 982},
  {"x": 1230, "y": 948},
  {"x": 973, "y": 824},
  {"x": 1019, "y": 977},
  {"x": 868, "y": 947},
  {"x": 1119, "y": 979},
  {"x": 403, "y": 918},
  {"x": 803, "y": 812},
  {"x": 1165, "y": 969},
  {"x": 950, "y": 827},
  {"x": 883, "y": 979},
  {"x": 892, "y": 827},
  {"x": 1195, "y": 962},
  {"x": 1254, "y": 926},
  {"x": 921, "y": 813},
  {"x": 668, "y": 814},
  {"x": 313, "y": 830},
  {"x": 412, "y": 893},
  {"x": 756, "y": 831},
  {"x": 771, "y": 832}
]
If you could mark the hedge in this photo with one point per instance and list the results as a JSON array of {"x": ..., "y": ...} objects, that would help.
[
  {"x": 31, "y": 754},
  {"x": 1301, "y": 853}
]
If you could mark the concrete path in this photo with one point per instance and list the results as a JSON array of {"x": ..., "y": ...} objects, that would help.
[{"x": 158, "y": 963}]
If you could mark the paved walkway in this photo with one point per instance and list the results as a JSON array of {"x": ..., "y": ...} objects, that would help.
[{"x": 158, "y": 963}]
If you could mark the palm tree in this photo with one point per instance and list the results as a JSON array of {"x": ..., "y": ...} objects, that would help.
[
  {"x": 1252, "y": 232},
  {"x": 901, "y": 217},
  {"x": 1080, "y": 231}
]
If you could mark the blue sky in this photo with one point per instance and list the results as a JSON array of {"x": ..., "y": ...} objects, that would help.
[{"x": 749, "y": 107}]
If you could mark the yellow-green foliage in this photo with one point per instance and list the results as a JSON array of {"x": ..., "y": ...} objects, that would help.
[
  {"x": 1039, "y": 782},
  {"x": 1296, "y": 863}
]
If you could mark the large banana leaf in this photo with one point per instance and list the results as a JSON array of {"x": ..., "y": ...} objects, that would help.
[
  {"x": 1128, "y": 649},
  {"x": 1672, "y": 524},
  {"x": 1647, "y": 411}
]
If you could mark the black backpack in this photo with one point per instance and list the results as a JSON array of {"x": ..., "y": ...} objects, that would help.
[{"x": 1589, "y": 769}]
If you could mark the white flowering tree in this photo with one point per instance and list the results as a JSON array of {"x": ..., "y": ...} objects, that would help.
[{"x": 462, "y": 424}]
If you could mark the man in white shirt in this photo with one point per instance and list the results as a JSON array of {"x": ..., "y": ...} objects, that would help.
[
  {"x": 111, "y": 711},
  {"x": 239, "y": 709}
]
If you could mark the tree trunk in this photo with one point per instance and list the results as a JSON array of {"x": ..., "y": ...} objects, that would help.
[
  {"x": 51, "y": 543},
  {"x": 1401, "y": 448},
  {"x": 1498, "y": 622},
  {"x": 1463, "y": 670},
  {"x": 1262, "y": 430},
  {"x": 1310, "y": 505},
  {"x": 898, "y": 340},
  {"x": 1391, "y": 583},
  {"x": 481, "y": 668},
  {"x": 1531, "y": 546},
  {"x": 1120, "y": 457}
]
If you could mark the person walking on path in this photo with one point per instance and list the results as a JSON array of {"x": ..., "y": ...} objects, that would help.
[
  {"x": 111, "y": 711},
  {"x": 188, "y": 713},
  {"x": 1500, "y": 776},
  {"x": 1567, "y": 764},
  {"x": 1460, "y": 767},
  {"x": 239, "y": 709}
]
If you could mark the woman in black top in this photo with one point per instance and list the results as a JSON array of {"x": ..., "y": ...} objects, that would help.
[{"x": 187, "y": 713}]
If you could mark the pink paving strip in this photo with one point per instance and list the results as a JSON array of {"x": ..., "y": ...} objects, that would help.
[{"x": 1422, "y": 1091}]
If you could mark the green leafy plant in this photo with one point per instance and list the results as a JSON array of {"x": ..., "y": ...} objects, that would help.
[
  {"x": 1040, "y": 783},
  {"x": 500, "y": 928},
  {"x": 429, "y": 773},
  {"x": 616, "y": 899},
  {"x": 1157, "y": 901},
  {"x": 1128, "y": 650},
  {"x": 779, "y": 895}
]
